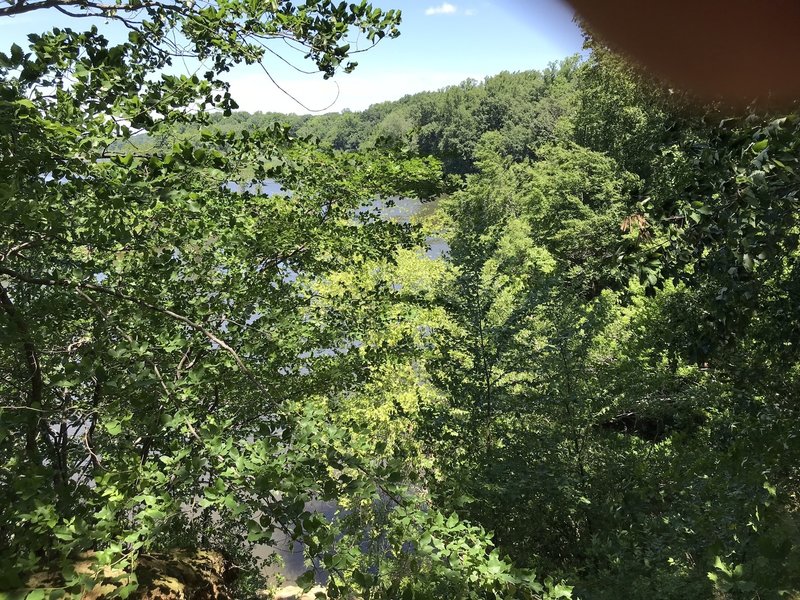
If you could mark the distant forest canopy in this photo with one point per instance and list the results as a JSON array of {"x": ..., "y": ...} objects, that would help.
[{"x": 525, "y": 108}]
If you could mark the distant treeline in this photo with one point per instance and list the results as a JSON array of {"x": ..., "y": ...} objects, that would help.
[{"x": 524, "y": 107}]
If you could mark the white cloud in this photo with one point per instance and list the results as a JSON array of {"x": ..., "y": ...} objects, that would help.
[
  {"x": 470, "y": 12},
  {"x": 443, "y": 9}
]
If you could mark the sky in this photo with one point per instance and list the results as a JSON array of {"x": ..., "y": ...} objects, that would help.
[{"x": 442, "y": 42}]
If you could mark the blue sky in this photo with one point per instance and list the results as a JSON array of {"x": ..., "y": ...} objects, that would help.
[{"x": 442, "y": 42}]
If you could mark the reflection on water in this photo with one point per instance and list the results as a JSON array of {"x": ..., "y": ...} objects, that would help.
[
  {"x": 397, "y": 209},
  {"x": 437, "y": 248},
  {"x": 403, "y": 210},
  {"x": 291, "y": 553}
]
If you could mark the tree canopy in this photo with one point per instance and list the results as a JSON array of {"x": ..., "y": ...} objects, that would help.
[{"x": 185, "y": 329}]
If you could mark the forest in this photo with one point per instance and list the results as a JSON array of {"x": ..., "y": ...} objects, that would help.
[{"x": 209, "y": 327}]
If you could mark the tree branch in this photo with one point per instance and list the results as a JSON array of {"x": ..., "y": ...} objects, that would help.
[
  {"x": 34, "y": 371},
  {"x": 104, "y": 10},
  {"x": 138, "y": 301}
]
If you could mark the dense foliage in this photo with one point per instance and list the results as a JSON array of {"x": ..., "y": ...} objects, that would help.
[
  {"x": 199, "y": 341},
  {"x": 620, "y": 351},
  {"x": 207, "y": 326},
  {"x": 524, "y": 108}
]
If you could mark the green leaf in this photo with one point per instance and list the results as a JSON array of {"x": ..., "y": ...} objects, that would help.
[
  {"x": 16, "y": 53},
  {"x": 560, "y": 591},
  {"x": 721, "y": 566},
  {"x": 306, "y": 580},
  {"x": 113, "y": 426},
  {"x": 452, "y": 521}
]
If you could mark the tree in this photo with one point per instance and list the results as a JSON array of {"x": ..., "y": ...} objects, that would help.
[
  {"x": 617, "y": 372},
  {"x": 174, "y": 341}
]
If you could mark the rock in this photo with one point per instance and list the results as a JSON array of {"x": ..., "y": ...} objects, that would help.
[
  {"x": 199, "y": 575},
  {"x": 183, "y": 575},
  {"x": 293, "y": 592},
  {"x": 314, "y": 593},
  {"x": 289, "y": 592}
]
